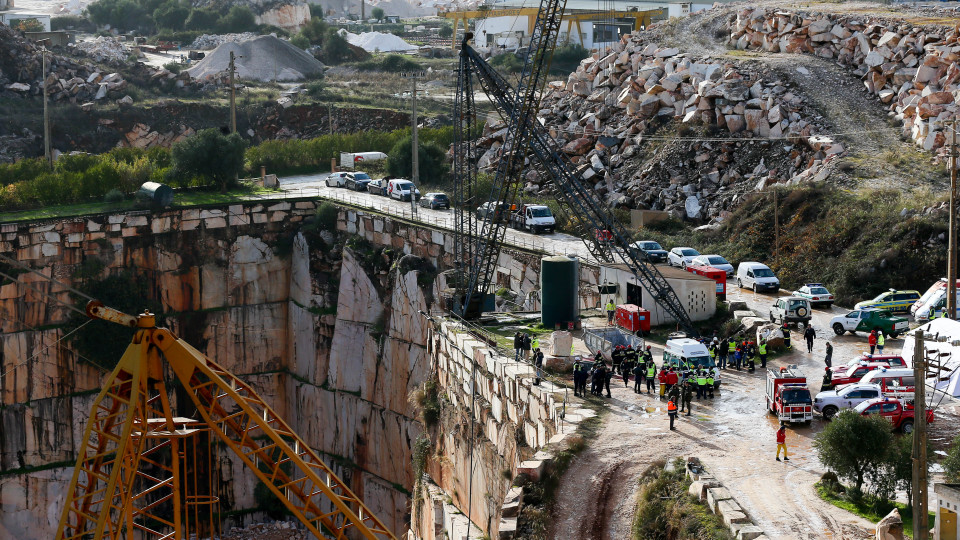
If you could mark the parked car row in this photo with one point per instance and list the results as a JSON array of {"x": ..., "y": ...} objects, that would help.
[{"x": 396, "y": 188}]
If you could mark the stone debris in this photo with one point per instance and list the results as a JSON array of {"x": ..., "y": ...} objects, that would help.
[
  {"x": 264, "y": 58},
  {"x": 912, "y": 69},
  {"x": 278, "y": 530},
  {"x": 602, "y": 113},
  {"x": 212, "y": 41},
  {"x": 103, "y": 49}
]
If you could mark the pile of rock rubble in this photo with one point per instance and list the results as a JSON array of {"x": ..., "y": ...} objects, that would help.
[
  {"x": 103, "y": 49},
  {"x": 278, "y": 530},
  {"x": 212, "y": 41},
  {"x": 601, "y": 115},
  {"x": 912, "y": 69}
]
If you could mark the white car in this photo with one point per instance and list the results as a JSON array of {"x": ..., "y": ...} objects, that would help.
[
  {"x": 831, "y": 402},
  {"x": 715, "y": 261},
  {"x": 681, "y": 256},
  {"x": 337, "y": 179}
]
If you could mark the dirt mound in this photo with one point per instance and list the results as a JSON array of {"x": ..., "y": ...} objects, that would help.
[{"x": 265, "y": 58}]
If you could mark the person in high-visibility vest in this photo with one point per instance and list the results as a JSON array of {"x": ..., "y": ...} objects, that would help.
[
  {"x": 672, "y": 412},
  {"x": 762, "y": 349},
  {"x": 710, "y": 382},
  {"x": 880, "y": 341},
  {"x": 651, "y": 376},
  {"x": 536, "y": 343},
  {"x": 701, "y": 384},
  {"x": 611, "y": 309}
]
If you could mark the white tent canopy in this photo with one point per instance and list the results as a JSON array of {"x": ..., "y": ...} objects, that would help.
[{"x": 945, "y": 346}]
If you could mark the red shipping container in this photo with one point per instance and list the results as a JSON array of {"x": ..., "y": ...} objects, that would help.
[
  {"x": 633, "y": 318},
  {"x": 713, "y": 273}
]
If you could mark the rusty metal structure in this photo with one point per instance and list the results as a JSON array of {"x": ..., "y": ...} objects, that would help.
[{"x": 129, "y": 477}]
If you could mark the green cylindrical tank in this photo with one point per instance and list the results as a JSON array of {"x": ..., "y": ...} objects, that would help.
[
  {"x": 559, "y": 291},
  {"x": 158, "y": 194}
]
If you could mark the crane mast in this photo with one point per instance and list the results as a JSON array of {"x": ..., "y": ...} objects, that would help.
[
  {"x": 489, "y": 239},
  {"x": 478, "y": 244},
  {"x": 133, "y": 408}
]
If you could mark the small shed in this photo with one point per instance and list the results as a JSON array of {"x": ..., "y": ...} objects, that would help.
[
  {"x": 158, "y": 194},
  {"x": 948, "y": 504}
]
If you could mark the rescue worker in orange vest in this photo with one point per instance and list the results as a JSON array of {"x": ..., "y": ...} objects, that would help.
[{"x": 672, "y": 412}]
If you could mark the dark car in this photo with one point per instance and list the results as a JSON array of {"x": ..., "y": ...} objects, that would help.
[
  {"x": 435, "y": 201},
  {"x": 378, "y": 187},
  {"x": 649, "y": 250},
  {"x": 357, "y": 181}
]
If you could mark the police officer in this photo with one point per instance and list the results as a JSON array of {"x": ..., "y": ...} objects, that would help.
[
  {"x": 732, "y": 348},
  {"x": 674, "y": 395},
  {"x": 687, "y": 397},
  {"x": 638, "y": 372},
  {"x": 762, "y": 349},
  {"x": 880, "y": 341},
  {"x": 578, "y": 376},
  {"x": 701, "y": 384},
  {"x": 710, "y": 381}
]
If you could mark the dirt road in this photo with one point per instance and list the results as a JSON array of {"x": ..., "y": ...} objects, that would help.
[{"x": 732, "y": 434}]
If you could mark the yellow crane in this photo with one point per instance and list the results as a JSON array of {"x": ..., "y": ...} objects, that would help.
[{"x": 111, "y": 495}]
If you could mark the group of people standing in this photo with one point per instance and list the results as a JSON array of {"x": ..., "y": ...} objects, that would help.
[{"x": 625, "y": 360}]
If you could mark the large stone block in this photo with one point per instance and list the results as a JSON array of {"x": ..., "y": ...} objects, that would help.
[
  {"x": 715, "y": 495},
  {"x": 749, "y": 532}
]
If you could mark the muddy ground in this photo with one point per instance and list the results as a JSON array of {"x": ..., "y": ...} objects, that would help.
[{"x": 734, "y": 436}]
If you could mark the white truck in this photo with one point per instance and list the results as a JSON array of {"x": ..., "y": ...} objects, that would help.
[
  {"x": 536, "y": 218},
  {"x": 352, "y": 160}
]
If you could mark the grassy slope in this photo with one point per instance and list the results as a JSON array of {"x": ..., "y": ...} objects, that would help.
[{"x": 905, "y": 512}]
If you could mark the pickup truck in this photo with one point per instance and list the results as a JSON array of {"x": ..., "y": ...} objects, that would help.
[
  {"x": 535, "y": 218},
  {"x": 844, "y": 375},
  {"x": 830, "y": 402},
  {"x": 867, "y": 319},
  {"x": 900, "y": 414}
]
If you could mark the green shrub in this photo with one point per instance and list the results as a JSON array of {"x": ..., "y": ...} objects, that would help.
[
  {"x": 173, "y": 67},
  {"x": 113, "y": 196},
  {"x": 72, "y": 22},
  {"x": 300, "y": 41},
  {"x": 509, "y": 62},
  {"x": 430, "y": 160}
]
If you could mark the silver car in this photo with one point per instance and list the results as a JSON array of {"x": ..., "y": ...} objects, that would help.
[
  {"x": 715, "y": 261},
  {"x": 831, "y": 402},
  {"x": 681, "y": 256}
]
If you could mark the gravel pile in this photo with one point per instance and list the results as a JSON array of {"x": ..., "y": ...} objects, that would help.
[
  {"x": 264, "y": 58},
  {"x": 211, "y": 41},
  {"x": 377, "y": 41},
  {"x": 104, "y": 49}
]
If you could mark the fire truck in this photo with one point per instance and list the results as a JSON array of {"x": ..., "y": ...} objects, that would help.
[{"x": 788, "y": 395}]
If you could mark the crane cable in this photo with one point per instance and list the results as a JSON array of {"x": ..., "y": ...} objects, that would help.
[
  {"x": 47, "y": 346},
  {"x": 47, "y": 295},
  {"x": 22, "y": 266}
]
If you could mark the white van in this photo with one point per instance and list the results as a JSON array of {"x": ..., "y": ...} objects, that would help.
[
  {"x": 687, "y": 353},
  {"x": 401, "y": 189},
  {"x": 894, "y": 382},
  {"x": 757, "y": 276}
]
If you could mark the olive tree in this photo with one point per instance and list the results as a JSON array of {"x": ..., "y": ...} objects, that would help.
[
  {"x": 854, "y": 446},
  {"x": 209, "y": 155}
]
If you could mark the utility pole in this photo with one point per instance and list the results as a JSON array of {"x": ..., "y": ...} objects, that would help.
[
  {"x": 415, "y": 146},
  {"x": 920, "y": 517},
  {"x": 952, "y": 248},
  {"x": 776, "y": 226},
  {"x": 330, "y": 117},
  {"x": 46, "y": 114},
  {"x": 233, "y": 96}
]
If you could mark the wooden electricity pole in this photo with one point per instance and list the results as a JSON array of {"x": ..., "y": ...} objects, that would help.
[
  {"x": 952, "y": 247},
  {"x": 415, "y": 146},
  {"x": 920, "y": 517},
  {"x": 776, "y": 226},
  {"x": 47, "y": 154},
  {"x": 233, "y": 96}
]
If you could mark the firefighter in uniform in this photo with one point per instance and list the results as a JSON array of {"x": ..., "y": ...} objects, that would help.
[{"x": 786, "y": 337}]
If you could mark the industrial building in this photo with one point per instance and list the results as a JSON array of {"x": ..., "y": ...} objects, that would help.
[
  {"x": 509, "y": 24},
  {"x": 9, "y": 15},
  {"x": 697, "y": 293}
]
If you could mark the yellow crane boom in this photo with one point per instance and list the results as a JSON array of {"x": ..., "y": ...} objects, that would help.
[{"x": 133, "y": 408}]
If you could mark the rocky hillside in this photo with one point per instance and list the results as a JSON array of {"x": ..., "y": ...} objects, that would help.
[{"x": 695, "y": 115}]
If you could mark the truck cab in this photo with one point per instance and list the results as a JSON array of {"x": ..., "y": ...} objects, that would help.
[
  {"x": 788, "y": 396},
  {"x": 535, "y": 218},
  {"x": 867, "y": 319},
  {"x": 900, "y": 413}
]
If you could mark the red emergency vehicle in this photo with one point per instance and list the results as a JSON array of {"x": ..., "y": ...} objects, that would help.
[
  {"x": 715, "y": 274},
  {"x": 788, "y": 396},
  {"x": 633, "y": 318}
]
